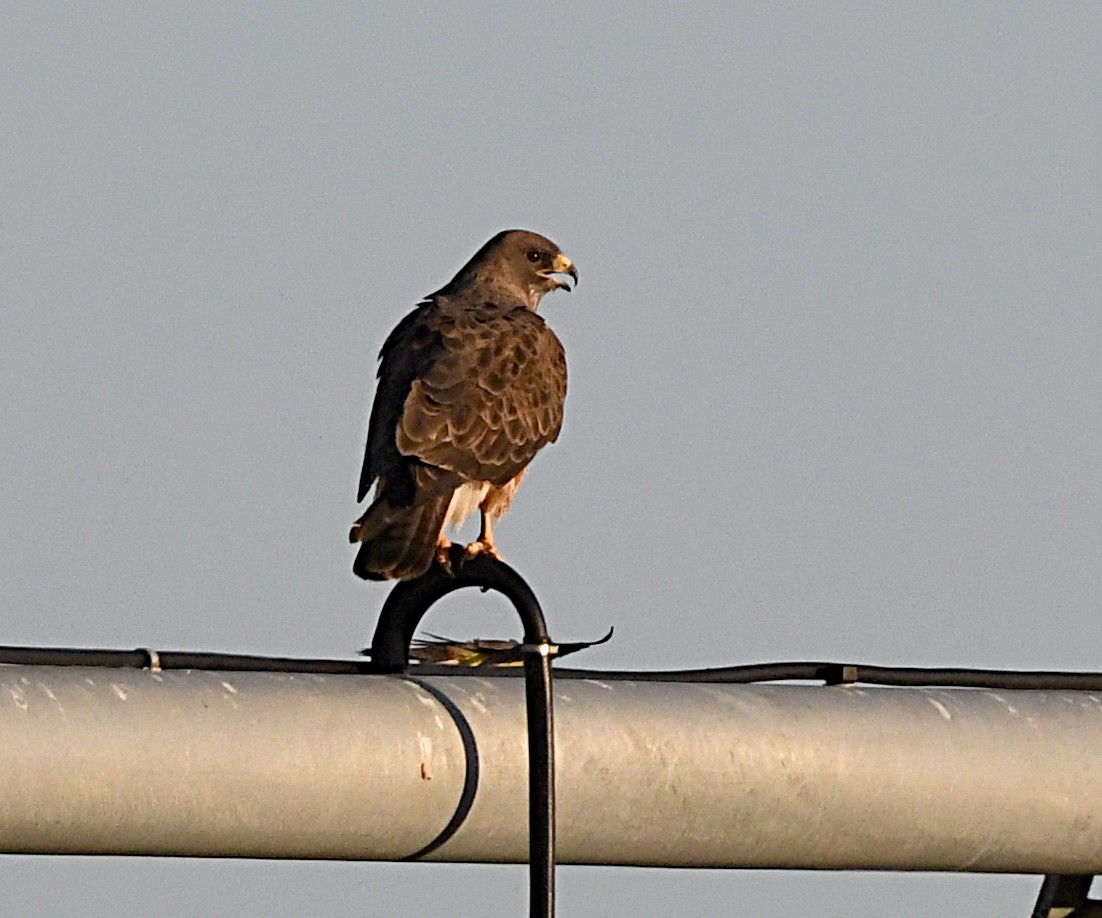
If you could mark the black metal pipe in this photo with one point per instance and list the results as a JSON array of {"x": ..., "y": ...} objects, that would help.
[{"x": 541, "y": 783}]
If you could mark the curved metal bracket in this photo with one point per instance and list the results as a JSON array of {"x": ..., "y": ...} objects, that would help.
[
  {"x": 411, "y": 600},
  {"x": 402, "y": 612}
]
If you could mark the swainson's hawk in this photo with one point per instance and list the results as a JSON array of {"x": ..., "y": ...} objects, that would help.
[{"x": 471, "y": 386}]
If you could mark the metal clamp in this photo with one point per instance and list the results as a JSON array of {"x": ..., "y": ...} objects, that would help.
[{"x": 1067, "y": 896}]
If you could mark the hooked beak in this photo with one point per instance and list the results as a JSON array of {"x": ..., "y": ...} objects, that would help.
[{"x": 562, "y": 265}]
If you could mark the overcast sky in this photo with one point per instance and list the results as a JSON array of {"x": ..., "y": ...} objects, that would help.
[{"x": 836, "y": 390}]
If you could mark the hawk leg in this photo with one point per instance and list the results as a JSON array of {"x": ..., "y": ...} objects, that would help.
[{"x": 484, "y": 544}]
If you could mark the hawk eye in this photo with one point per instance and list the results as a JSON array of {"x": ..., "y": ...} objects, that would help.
[{"x": 533, "y": 256}]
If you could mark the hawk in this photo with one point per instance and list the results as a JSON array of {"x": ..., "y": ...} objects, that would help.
[{"x": 471, "y": 386}]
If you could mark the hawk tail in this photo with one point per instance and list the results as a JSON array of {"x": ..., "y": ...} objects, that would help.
[{"x": 398, "y": 543}]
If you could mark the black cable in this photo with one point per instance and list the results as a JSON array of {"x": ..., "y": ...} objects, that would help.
[
  {"x": 847, "y": 673},
  {"x": 827, "y": 673},
  {"x": 142, "y": 658}
]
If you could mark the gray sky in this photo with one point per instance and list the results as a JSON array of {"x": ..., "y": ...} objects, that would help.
[{"x": 835, "y": 380}]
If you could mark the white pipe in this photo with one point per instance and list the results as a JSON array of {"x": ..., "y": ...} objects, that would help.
[{"x": 110, "y": 761}]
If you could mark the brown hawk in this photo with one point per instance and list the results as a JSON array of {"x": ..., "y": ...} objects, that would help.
[{"x": 471, "y": 386}]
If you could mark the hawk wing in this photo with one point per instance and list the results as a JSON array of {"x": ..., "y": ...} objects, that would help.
[
  {"x": 407, "y": 353},
  {"x": 492, "y": 398},
  {"x": 480, "y": 393}
]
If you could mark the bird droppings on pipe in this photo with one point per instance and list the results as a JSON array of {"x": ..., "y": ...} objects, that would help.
[
  {"x": 19, "y": 697},
  {"x": 1003, "y": 701},
  {"x": 942, "y": 710}
]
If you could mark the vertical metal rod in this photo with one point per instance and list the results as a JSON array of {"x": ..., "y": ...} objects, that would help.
[{"x": 541, "y": 782}]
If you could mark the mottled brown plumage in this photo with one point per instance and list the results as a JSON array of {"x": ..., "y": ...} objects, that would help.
[{"x": 471, "y": 387}]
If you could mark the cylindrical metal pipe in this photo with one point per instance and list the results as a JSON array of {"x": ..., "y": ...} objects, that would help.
[{"x": 374, "y": 767}]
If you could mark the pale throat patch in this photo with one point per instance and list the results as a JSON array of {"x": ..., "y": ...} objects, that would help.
[{"x": 465, "y": 501}]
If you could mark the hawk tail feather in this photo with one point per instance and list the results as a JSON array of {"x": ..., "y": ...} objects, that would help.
[{"x": 398, "y": 543}]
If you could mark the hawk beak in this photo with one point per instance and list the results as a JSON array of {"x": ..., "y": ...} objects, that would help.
[{"x": 563, "y": 265}]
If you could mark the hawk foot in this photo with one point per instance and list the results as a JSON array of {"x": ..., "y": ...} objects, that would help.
[
  {"x": 452, "y": 556},
  {"x": 481, "y": 547},
  {"x": 443, "y": 555}
]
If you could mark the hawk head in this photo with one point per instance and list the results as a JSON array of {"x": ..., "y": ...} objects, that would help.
[{"x": 518, "y": 262}]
